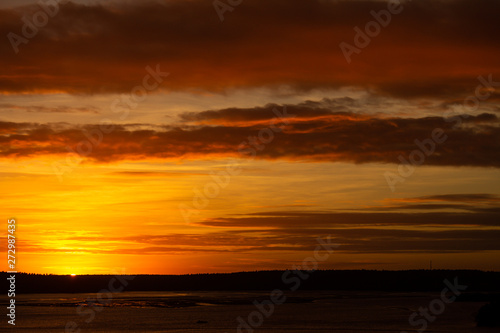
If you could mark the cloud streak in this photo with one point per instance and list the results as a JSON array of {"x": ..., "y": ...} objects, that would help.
[
  {"x": 285, "y": 231},
  {"x": 55, "y": 109}
]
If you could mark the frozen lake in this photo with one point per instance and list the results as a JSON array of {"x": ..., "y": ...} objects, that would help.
[{"x": 303, "y": 311}]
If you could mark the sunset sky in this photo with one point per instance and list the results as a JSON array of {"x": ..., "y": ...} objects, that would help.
[{"x": 116, "y": 117}]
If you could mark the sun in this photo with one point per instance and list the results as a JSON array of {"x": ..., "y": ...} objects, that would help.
[{"x": 73, "y": 274}]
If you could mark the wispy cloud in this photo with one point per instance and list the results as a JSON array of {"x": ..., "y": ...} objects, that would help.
[
  {"x": 53, "y": 109},
  {"x": 364, "y": 231}
]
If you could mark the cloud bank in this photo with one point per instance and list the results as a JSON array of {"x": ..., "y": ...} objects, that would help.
[{"x": 433, "y": 48}]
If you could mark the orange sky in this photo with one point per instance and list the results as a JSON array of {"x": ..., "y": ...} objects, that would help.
[{"x": 260, "y": 139}]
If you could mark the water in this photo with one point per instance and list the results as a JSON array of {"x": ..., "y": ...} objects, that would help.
[{"x": 339, "y": 312}]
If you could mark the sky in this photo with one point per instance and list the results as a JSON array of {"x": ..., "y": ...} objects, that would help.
[{"x": 176, "y": 137}]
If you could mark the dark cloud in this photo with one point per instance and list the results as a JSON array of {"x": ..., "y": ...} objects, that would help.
[
  {"x": 341, "y": 108},
  {"x": 431, "y": 207},
  {"x": 310, "y": 220},
  {"x": 308, "y": 134},
  {"x": 470, "y": 198},
  {"x": 361, "y": 232},
  {"x": 475, "y": 202},
  {"x": 432, "y": 48}
]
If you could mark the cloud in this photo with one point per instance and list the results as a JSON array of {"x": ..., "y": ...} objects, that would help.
[
  {"x": 285, "y": 231},
  {"x": 309, "y": 134},
  {"x": 55, "y": 109},
  {"x": 465, "y": 198},
  {"x": 333, "y": 109},
  {"x": 364, "y": 230},
  {"x": 311, "y": 220},
  {"x": 475, "y": 202},
  {"x": 369, "y": 231},
  {"x": 433, "y": 48}
]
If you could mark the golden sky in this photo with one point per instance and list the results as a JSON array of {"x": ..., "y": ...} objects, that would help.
[{"x": 152, "y": 137}]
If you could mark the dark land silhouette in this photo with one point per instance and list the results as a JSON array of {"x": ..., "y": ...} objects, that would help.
[{"x": 342, "y": 280}]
